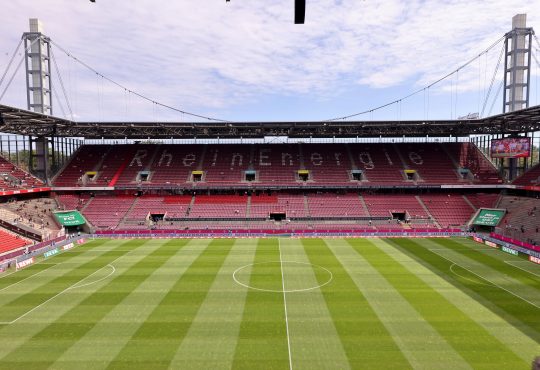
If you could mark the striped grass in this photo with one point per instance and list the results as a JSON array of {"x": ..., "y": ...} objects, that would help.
[{"x": 348, "y": 303}]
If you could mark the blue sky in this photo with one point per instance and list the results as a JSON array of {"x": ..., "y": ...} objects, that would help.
[{"x": 245, "y": 60}]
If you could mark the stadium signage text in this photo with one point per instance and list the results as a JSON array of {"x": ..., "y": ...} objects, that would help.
[
  {"x": 491, "y": 244},
  {"x": 23, "y": 264},
  {"x": 68, "y": 246},
  {"x": 534, "y": 259},
  {"x": 510, "y": 251},
  {"x": 268, "y": 157},
  {"x": 489, "y": 217},
  {"x": 51, "y": 253},
  {"x": 478, "y": 240},
  {"x": 72, "y": 218}
]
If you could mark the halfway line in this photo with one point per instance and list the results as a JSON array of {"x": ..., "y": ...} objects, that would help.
[{"x": 285, "y": 304}]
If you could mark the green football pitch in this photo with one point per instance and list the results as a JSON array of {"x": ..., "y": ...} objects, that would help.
[{"x": 272, "y": 304}]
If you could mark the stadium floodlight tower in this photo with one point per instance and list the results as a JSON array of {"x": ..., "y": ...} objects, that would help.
[
  {"x": 517, "y": 77},
  {"x": 517, "y": 65},
  {"x": 37, "y": 48}
]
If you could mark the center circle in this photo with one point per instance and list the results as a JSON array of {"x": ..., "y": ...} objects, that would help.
[{"x": 272, "y": 276}]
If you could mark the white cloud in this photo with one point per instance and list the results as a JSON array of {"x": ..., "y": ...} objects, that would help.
[{"x": 205, "y": 58}]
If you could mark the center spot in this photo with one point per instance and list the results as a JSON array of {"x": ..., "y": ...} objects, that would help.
[{"x": 267, "y": 276}]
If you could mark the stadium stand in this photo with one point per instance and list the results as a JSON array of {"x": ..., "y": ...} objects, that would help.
[
  {"x": 106, "y": 212},
  {"x": 430, "y": 161},
  {"x": 13, "y": 178},
  {"x": 10, "y": 241},
  {"x": 482, "y": 200},
  {"x": 529, "y": 178},
  {"x": 218, "y": 206},
  {"x": 471, "y": 159},
  {"x": 384, "y": 205},
  {"x": 332, "y": 205},
  {"x": 223, "y": 165},
  {"x": 448, "y": 210},
  {"x": 522, "y": 220},
  {"x": 379, "y": 163},
  {"x": 35, "y": 214}
]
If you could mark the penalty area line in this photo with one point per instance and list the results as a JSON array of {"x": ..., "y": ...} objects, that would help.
[
  {"x": 71, "y": 287},
  {"x": 512, "y": 263},
  {"x": 489, "y": 281},
  {"x": 28, "y": 277}
]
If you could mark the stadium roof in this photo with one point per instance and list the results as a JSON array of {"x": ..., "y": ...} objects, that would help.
[{"x": 23, "y": 122}]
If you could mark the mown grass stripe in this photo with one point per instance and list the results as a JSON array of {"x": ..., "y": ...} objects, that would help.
[
  {"x": 315, "y": 343},
  {"x": 515, "y": 311},
  {"x": 15, "y": 335},
  {"x": 262, "y": 341},
  {"x": 48, "y": 344},
  {"x": 523, "y": 346},
  {"x": 41, "y": 265},
  {"x": 98, "y": 348},
  {"x": 363, "y": 336},
  {"x": 73, "y": 268},
  {"x": 493, "y": 263},
  {"x": 217, "y": 323},
  {"x": 469, "y": 339},
  {"x": 155, "y": 342},
  {"x": 420, "y": 343}
]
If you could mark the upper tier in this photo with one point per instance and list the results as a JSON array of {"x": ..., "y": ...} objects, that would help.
[
  {"x": 225, "y": 165},
  {"x": 14, "y": 178}
]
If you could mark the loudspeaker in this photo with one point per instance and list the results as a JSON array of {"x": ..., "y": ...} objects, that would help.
[{"x": 299, "y": 11}]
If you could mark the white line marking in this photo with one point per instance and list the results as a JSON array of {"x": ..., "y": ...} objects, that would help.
[
  {"x": 464, "y": 277},
  {"x": 74, "y": 286},
  {"x": 511, "y": 263},
  {"x": 280, "y": 291},
  {"x": 489, "y": 281},
  {"x": 71, "y": 287},
  {"x": 26, "y": 278},
  {"x": 285, "y": 304}
]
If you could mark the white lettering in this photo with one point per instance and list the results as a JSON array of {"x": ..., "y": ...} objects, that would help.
[
  {"x": 214, "y": 158},
  {"x": 316, "y": 159},
  {"x": 337, "y": 156},
  {"x": 416, "y": 158},
  {"x": 365, "y": 159},
  {"x": 140, "y": 154},
  {"x": 162, "y": 158},
  {"x": 236, "y": 156},
  {"x": 285, "y": 157},
  {"x": 263, "y": 156},
  {"x": 188, "y": 160},
  {"x": 388, "y": 158}
]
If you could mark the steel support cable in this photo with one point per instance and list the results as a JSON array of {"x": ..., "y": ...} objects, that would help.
[
  {"x": 496, "y": 96},
  {"x": 492, "y": 81},
  {"x": 59, "y": 102},
  {"x": 134, "y": 92},
  {"x": 10, "y": 62},
  {"x": 62, "y": 85},
  {"x": 421, "y": 89},
  {"x": 16, "y": 70}
]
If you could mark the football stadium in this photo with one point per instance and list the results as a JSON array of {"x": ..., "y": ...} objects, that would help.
[{"x": 174, "y": 195}]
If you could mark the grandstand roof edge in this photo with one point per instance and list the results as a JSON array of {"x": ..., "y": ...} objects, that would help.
[{"x": 23, "y": 122}]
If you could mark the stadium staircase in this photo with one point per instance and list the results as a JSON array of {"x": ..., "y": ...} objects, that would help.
[
  {"x": 364, "y": 205},
  {"x": 427, "y": 211},
  {"x": 469, "y": 203}
]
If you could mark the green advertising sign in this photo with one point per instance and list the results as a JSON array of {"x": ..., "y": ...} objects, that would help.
[
  {"x": 489, "y": 217},
  {"x": 51, "y": 253},
  {"x": 71, "y": 218},
  {"x": 510, "y": 250}
]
